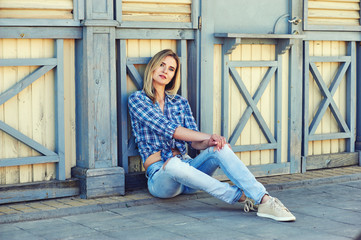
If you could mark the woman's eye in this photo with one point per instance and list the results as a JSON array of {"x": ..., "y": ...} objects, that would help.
[
  {"x": 171, "y": 69},
  {"x": 162, "y": 65}
]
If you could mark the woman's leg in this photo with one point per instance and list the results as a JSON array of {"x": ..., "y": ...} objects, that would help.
[
  {"x": 177, "y": 176},
  {"x": 233, "y": 167}
]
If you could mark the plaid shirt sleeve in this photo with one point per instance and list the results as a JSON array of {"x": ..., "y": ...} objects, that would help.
[
  {"x": 189, "y": 121},
  {"x": 140, "y": 109}
]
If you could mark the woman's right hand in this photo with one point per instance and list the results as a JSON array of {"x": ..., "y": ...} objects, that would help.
[{"x": 217, "y": 141}]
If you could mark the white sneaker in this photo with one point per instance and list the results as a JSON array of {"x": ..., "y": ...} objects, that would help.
[
  {"x": 274, "y": 209},
  {"x": 249, "y": 205}
]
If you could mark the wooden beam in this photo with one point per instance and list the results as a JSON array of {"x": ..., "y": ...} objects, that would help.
[
  {"x": 38, "y": 190},
  {"x": 332, "y": 160}
]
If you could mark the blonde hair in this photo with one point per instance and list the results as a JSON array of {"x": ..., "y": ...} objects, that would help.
[{"x": 173, "y": 86}]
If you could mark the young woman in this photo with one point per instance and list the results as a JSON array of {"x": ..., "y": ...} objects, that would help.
[{"x": 162, "y": 124}]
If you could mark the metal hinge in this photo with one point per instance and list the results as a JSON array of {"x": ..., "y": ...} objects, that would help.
[{"x": 199, "y": 22}]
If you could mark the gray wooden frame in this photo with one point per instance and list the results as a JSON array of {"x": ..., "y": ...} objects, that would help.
[
  {"x": 126, "y": 144},
  {"x": 283, "y": 43},
  {"x": 348, "y": 125},
  {"x": 308, "y": 27},
  {"x": 45, "y": 65}
]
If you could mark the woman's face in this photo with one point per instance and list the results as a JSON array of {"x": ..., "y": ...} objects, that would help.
[{"x": 164, "y": 73}]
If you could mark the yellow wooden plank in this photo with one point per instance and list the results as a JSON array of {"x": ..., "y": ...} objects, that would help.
[
  {"x": 333, "y": 14},
  {"x": 11, "y": 112},
  {"x": 255, "y": 135},
  {"x": 156, "y": 18},
  {"x": 285, "y": 106},
  {"x": 334, "y": 51},
  {"x": 37, "y": 101},
  {"x": 29, "y": 13},
  {"x": 2, "y": 118},
  {"x": 336, "y": 21},
  {"x": 156, "y": 8},
  {"x": 24, "y": 102},
  {"x": 217, "y": 88},
  {"x": 37, "y": 4},
  {"x": 317, "y": 98},
  {"x": 246, "y": 55},
  {"x": 326, "y": 74},
  {"x": 333, "y": 5},
  {"x": 342, "y": 90},
  {"x": 69, "y": 106},
  {"x": 49, "y": 110},
  {"x": 159, "y": 1},
  {"x": 344, "y": 1}
]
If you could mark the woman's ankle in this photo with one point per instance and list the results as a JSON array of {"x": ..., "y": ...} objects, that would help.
[{"x": 265, "y": 198}]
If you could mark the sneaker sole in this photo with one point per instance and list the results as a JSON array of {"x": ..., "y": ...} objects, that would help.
[{"x": 280, "y": 219}]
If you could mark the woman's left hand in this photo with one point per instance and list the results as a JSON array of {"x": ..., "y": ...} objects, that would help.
[{"x": 217, "y": 141}]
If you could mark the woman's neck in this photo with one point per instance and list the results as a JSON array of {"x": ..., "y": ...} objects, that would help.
[{"x": 159, "y": 94}]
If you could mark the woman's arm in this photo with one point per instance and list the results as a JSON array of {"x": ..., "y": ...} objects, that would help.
[{"x": 199, "y": 140}]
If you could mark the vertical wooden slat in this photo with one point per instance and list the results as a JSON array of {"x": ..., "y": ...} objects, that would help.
[
  {"x": 182, "y": 53},
  {"x": 11, "y": 112},
  {"x": 59, "y": 109},
  {"x": 122, "y": 95},
  {"x": 49, "y": 110},
  {"x": 317, "y": 97},
  {"x": 278, "y": 109},
  {"x": 217, "y": 93},
  {"x": 24, "y": 103},
  {"x": 306, "y": 98},
  {"x": 285, "y": 107},
  {"x": 254, "y": 83},
  {"x": 2, "y": 118},
  {"x": 225, "y": 95},
  {"x": 236, "y": 102},
  {"x": 69, "y": 106},
  {"x": 351, "y": 96},
  {"x": 38, "y": 108},
  {"x": 327, "y": 78},
  {"x": 334, "y": 51},
  {"x": 246, "y": 55},
  {"x": 268, "y": 104}
]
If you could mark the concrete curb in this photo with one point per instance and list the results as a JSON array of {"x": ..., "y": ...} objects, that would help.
[{"x": 45, "y": 214}]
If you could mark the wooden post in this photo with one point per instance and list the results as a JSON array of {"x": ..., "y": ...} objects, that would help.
[
  {"x": 97, "y": 164},
  {"x": 358, "y": 104}
]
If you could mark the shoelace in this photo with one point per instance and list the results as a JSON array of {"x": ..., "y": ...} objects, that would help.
[
  {"x": 278, "y": 204},
  {"x": 248, "y": 205}
]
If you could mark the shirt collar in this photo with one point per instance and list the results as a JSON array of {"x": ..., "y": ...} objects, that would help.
[{"x": 170, "y": 98}]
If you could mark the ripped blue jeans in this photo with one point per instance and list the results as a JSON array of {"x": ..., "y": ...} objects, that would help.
[{"x": 187, "y": 175}]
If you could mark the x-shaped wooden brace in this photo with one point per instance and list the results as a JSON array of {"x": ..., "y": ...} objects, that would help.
[
  {"x": 252, "y": 105},
  {"x": 13, "y": 91},
  {"x": 328, "y": 100}
]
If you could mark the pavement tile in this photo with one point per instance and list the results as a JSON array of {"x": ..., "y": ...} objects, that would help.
[
  {"x": 326, "y": 225},
  {"x": 19, "y": 235},
  {"x": 92, "y": 236},
  {"x": 143, "y": 233},
  {"x": 24, "y": 208},
  {"x": 138, "y": 210},
  {"x": 56, "y": 204},
  {"x": 103, "y": 221},
  {"x": 106, "y": 200},
  {"x": 8, "y": 210},
  {"x": 72, "y": 202},
  {"x": 39, "y": 205}
]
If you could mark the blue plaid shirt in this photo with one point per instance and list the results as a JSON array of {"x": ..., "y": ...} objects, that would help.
[{"x": 154, "y": 130}]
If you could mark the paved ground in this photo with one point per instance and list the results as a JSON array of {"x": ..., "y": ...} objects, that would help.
[{"x": 323, "y": 211}]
